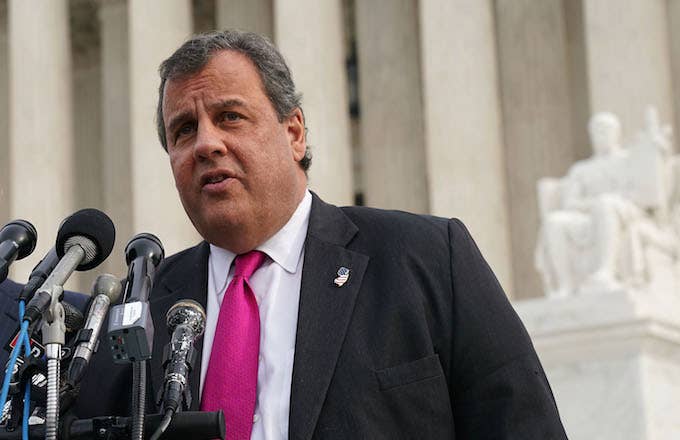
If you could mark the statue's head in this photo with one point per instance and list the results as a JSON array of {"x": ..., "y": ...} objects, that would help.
[{"x": 605, "y": 132}]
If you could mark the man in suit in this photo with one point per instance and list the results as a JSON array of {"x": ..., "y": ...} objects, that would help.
[{"x": 370, "y": 323}]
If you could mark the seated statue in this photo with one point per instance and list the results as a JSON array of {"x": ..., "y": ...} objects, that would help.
[{"x": 599, "y": 220}]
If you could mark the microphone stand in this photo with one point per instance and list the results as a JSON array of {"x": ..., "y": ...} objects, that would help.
[
  {"x": 53, "y": 330},
  {"x": 54, "y": 335}
]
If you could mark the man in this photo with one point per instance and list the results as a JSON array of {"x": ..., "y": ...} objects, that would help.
[{"x": 370, "y": 324}]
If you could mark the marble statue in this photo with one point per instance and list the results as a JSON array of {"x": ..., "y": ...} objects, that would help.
[{"x": 613, "y": 212}]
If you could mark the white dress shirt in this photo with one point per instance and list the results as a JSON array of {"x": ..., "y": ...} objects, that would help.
[{"x": 276, "y": 285}]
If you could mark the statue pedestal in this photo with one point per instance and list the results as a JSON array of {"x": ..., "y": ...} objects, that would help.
[{"x": 613, "y": 361}]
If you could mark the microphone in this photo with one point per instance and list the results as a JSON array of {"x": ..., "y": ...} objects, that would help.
[
  {"x": 143, "y": 253},
  {"x": 73, "y": 317},
  {"x": 186, "y": 323},
  {"x": 130, "y": 325},
  {"x": 40, "y": 273},
  {"x": 17, "y": 240},
  {"x": 84, "y": 240},
  {"x": 107, "y": 289}
]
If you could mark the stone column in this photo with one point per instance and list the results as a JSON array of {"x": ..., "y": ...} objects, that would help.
[
  {"x": 534, "y": 83},
  {"x": 674, "y": 26},
  {"x": 628, "y": 58},
  {"x": 4, "y": 117},
  {"x": 87, "y": 104},
  {"x": 41, "y": 133},
  {"x": 465, "y": 157},
  {"x": 249, "y": 15},
  {"x": 392, "y": 131},
  {"x": 313, "y": 46},
  {"x": 156, "y": 29},
  {"x": 116, "y": 163}
]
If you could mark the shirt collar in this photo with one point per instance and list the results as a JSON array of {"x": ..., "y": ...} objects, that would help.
[{"x": 284, "y": 248}]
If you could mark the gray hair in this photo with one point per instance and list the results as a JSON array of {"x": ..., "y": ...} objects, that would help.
[{"x": 195, "y": 53}]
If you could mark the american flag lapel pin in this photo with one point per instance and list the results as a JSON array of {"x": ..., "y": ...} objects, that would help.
[{"x": 343, "y": 276}]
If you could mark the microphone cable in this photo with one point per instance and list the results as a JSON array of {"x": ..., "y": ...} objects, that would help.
[
  {"x": 22, "y": 340},
  {"x": 27, "y": 390},
  {"x": 167, "y": 418}
]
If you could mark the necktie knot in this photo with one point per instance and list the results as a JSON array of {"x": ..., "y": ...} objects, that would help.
[{"x": 246, "y": 264}]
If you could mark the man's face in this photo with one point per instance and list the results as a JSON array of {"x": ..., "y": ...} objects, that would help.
[{"x": 235, "y": 165}]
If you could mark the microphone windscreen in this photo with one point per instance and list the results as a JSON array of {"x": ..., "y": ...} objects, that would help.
[
  {"x": 73, "y": 318},
  {"x": 186, "y": 312},
  {"x": 145, "y": 245},
  {"x": 108, "y": 285},
  {"x": 23, "y": 233},
  {"x": 93, "y": 225}
]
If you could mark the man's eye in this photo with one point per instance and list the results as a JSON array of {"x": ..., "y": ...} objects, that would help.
[
  {"x": 231, "y": 116},
  {"x": 184, "y": 130}
]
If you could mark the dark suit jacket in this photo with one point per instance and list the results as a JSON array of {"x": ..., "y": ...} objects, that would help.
[{"x": 421, "y": 341}]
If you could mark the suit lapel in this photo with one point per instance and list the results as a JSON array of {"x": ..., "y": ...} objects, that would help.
[
  {"x": 324, "y": 314},
  {"x": 185, "y": 277}
]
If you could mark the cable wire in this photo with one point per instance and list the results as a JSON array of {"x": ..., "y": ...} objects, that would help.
[
  {"x": 27, "y": 411},
  {"x": 16, "y": 351},
  {"x": 163, "y": 425},
  {"x": 27, "y": 391}
]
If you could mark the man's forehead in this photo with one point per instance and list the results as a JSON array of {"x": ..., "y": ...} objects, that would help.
[{"x": 227, "y": 70}]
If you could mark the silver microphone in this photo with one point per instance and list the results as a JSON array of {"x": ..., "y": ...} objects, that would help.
[
  {"x": 186, "y": 322},
  {"x": 106, "y": 290}
]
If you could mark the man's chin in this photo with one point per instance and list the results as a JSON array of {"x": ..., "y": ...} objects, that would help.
[{"x": 218, "y": 229}]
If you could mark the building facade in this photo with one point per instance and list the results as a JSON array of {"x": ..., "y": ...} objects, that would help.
[{"x": 447, "y": 107}]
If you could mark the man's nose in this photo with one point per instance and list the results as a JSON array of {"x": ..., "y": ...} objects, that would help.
[{"x": 209, "y": 142}]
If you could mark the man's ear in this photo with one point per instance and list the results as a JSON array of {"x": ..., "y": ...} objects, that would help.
[{"x": 295, "y": 125}]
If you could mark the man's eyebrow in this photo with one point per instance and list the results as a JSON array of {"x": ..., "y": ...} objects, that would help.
[
  {"x": 187, "y": 115},
  {"x": 178, "y": 120},
  {"x": 235, "y": 102}
]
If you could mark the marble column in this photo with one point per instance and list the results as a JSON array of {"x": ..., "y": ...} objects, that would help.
[
  {"x": 86, "y": 76},
  {"x": 116, "y": 163},
  {"x": 464, "y": 140},
  {"x": 155, "y": 29},
  {"x": 628, "y": 59},
  {"x": 312, "y": 44},
  {"x": 41, "y": 135},
  {"x": 87, "y": 92},
  {"x": 4, "y": 117},
  {"x": 249, "y": 15},
  {"x": 392, "y": 130},
  {"x": 535, "y": 92},
  {"x": 674, "y": 26}
]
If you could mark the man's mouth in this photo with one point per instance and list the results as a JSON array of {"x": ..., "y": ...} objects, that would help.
[
  {"x": 212, "y": 180},
  {"x": 216, "y": 179}
]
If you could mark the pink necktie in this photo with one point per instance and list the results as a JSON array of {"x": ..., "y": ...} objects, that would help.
[{"x": 231, "y": 379}]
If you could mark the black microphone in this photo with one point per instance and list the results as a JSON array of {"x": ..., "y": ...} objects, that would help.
[
  {"x": 39, "y": 274},
  {"x": 84, "y": 240},
  {"x": 130, "y": 324},
  {"x": 106, "y": 290},
  {"x": 186, "y": 323},
  {"x": 73, "y": 317},
  {"x": 143, "y": 253},
  {"x": 17, "y": 240}
]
